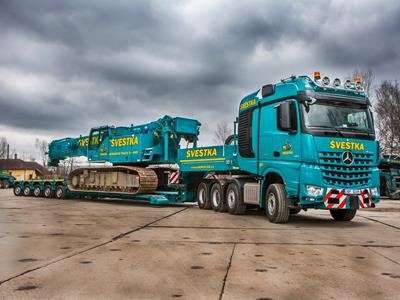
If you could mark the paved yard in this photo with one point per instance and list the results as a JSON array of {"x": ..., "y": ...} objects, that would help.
[{"x": 70, "y": 249}]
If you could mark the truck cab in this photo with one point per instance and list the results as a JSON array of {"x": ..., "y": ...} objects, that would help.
[{"x": 304, "y": 143}]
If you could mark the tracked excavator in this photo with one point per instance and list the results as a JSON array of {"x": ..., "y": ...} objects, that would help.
[{"x": 140, "y": 155}]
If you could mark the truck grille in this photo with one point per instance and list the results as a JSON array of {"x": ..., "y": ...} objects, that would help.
[{"x": 335, "y": 172}]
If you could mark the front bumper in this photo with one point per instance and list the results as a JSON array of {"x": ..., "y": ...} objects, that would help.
[
  {"x": 334, "y": 197},
  {"x": 338, "y": 199}
]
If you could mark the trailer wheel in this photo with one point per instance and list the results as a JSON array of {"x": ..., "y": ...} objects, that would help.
[
  {"x": 48, "y": 192},
  {"x": 60, "y": 192},
  {"x": 276, "y": 206},
  {"x": 26, "y": 191},
  {"x": 217, "y": 198},
  {"x": 17, "y": 190},
  {"x": 234, "y": 200},
  {"x": 37, "y": 192},
  {"x": 343, "y": 214},
  {"x": 203, "y": 197},
  {"x": 6, "y": 184}
]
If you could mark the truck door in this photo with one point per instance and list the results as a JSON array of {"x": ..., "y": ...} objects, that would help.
[{"x": 286, "y": 137}]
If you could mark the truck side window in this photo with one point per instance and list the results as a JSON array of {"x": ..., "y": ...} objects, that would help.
[
  {"x": 286, "y": 117},
  {"x": 245, "y": 139}
]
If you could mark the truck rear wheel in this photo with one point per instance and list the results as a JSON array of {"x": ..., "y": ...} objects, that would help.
[
  {"x": 17, "y": 190},
  {"x": 343, "y": 214},
  {"x": 276, "y": 206},
  {"x": 234, "y": 200},
  {"x": 217, "y": 198},
  {"x": 48, "y": 192},
  {"x": 203, "y": 197},
  {"x": 60, "y": 192}
]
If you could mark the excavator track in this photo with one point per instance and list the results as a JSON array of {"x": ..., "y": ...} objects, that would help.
[{"x": 125, "y": 180}]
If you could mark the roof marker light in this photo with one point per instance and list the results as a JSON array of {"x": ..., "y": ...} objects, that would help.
[
  {"x": 317, "y": 75},
  {"x": 325, "y": 80},
  {"x": 336, "y": 82},
  {"x": 347, "y": 84},
  {"x": 357, "y": 79}
]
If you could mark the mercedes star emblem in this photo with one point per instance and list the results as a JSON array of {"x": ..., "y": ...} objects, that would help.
[{"x": 347, "y": 158}]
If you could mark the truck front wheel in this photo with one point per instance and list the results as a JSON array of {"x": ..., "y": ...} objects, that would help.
[
  {"x": 343, "y": 214},
  {"x": 276, "y": 206},
  {"x": 203, "y": 197}
]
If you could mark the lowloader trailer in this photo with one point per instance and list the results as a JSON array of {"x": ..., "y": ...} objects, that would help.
[{"x": 301, "y": 143}]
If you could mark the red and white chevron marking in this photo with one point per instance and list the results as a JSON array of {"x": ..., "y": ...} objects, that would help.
[
  {"x": 340, "y": 195},
  {"x": 337, "y": 194},
  {"x": 173, "y": 177},
  {"x": 365, "y": 194}
]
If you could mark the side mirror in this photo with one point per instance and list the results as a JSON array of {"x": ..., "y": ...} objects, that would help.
[{"x": 287, "y": 119}]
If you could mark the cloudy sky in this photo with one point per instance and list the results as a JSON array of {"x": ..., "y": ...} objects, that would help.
[{"x": 66, "y": 66}]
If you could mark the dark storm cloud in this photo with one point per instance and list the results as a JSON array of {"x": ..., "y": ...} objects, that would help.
[{"x": 69, "y": 65}]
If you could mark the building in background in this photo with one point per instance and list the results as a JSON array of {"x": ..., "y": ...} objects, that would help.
[{"x": 23, "y": 170}]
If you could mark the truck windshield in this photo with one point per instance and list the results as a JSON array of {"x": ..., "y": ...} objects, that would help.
[{"x": 337, "y": 117}]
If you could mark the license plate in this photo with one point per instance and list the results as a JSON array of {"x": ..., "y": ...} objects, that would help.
[{"x": 351, "y": 192}]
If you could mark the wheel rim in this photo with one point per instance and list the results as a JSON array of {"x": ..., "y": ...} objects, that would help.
[
  {"x": 231, "y": 199},
  {"x": 59, "y": 193},
  {"x": 36, "y": 191},
  {"x": 202, "y": 195},
  {"x": 271, "y": 203},
  {"x": 47, "y": 192},
  {"x": 18, "y": 190},
  {"x": 216, "y": 198},
  {"x": 26, "y": 191}
]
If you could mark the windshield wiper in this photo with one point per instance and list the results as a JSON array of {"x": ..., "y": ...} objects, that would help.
[{"x": 338, "y": 131}]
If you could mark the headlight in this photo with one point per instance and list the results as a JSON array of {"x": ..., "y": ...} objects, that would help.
[
  {"x": 314, "y": 190},
  {"x": 374, "y": 191}
]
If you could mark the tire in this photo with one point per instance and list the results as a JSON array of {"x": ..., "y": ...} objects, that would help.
[
  {"x": 26, "y": 191},
  {"x": 343, "y": 214},
  {"x": 276, "y": 206},
  {"x": 2, "y": 184},
  {"x": 234, "y": 200},
  {"x": 60, "y": 192},
  {"x": 203, "y": 196},
  {"x": 17, "y": 190},
  {"x": 295, "y": 211},
  {"x": 37, "y": 192},
  {"x": 6, "y": 184},
  {"x": 48, "y": 192},
  {"x": 218, "y": 203}
]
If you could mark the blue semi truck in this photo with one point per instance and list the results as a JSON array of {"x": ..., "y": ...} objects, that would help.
[
  {"x": 298, "y": 144},
  {"x": 6, "y": 179}
]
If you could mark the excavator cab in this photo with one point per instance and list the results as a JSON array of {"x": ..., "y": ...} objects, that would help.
[{"x": 97, "y": 136}]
